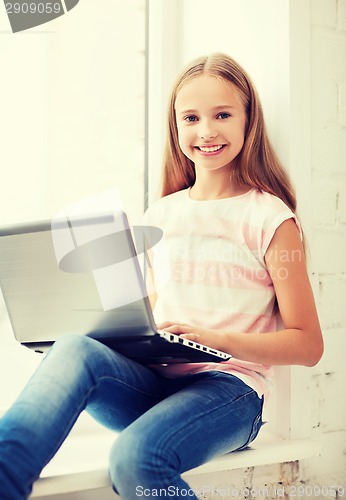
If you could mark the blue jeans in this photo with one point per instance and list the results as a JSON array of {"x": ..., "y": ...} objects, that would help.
[{"x": 167, "y": 425}]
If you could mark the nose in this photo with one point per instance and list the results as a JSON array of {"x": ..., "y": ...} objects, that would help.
[{"x": 206, "y": 131}]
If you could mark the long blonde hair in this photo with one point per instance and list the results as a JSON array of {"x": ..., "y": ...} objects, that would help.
[{"x": 256, "y": 165}]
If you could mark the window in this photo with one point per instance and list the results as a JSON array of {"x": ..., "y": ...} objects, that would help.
[{"x": 73, "y": 124}]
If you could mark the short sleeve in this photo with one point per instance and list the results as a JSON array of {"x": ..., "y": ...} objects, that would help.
[{"x": 275, "y": 223}]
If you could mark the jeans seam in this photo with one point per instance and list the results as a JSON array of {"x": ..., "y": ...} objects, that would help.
[{"x": 254, "y": 431}]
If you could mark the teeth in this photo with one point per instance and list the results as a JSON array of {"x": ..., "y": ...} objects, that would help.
[{"x": 210, "y": 150}]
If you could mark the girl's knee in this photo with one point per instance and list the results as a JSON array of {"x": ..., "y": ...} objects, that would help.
[
  {"x": 140, "y": 463},
  {"x": 73, "y": 346},
  {"x": 70, "y": 354},
  {"x": 133, "y": 461},
  {"x": 71, "y": 341},
  {"x": 124, "y": 456}
]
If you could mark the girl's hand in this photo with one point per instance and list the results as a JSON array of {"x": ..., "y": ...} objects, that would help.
[{"x": 205, "y": 336}]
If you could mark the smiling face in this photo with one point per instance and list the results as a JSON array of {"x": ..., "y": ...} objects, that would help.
[{"x": 211, "y": 122}]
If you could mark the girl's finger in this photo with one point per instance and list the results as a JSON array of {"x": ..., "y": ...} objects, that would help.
[
  {"x": 165, "y": 324},
  {"x": 189, "y": 336}
]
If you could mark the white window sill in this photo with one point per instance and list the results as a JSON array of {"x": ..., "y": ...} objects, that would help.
[{"x": 81, "y": 463}]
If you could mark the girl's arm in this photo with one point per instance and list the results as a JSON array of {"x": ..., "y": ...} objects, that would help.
[{"x": 300, "y": 343}]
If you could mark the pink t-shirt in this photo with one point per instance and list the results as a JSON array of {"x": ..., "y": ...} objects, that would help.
[{"x": 218, "y": 278}]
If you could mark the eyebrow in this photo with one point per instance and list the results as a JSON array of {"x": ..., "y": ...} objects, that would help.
[{"x": 216, "y": 108}]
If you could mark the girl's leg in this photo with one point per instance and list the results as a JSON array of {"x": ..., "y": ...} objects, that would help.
[
  {"x": 214, "y": 414},
  {"x": 78, "y": 372}
]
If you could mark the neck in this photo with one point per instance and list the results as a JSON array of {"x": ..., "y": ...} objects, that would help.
[{"x": 214, "y": 185}]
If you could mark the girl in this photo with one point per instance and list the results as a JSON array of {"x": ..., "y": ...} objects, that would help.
[{"x": 237, "y": 262}]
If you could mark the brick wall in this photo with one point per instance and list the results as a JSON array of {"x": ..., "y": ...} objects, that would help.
[{"x": 328, "y": 248}]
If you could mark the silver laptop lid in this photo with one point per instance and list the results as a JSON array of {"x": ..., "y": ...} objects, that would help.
[{"x": 56, "y": 280}]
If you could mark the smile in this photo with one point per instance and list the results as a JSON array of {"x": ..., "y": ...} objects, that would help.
[{"x": 210, "y": 149}]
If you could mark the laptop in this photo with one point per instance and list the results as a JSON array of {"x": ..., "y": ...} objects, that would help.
[{"x": 83, "y": 276}]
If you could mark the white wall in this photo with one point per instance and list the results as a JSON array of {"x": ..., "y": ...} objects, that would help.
[
  {"x": 72, "y": 109},
  {"x": 326, "y": 388}
]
